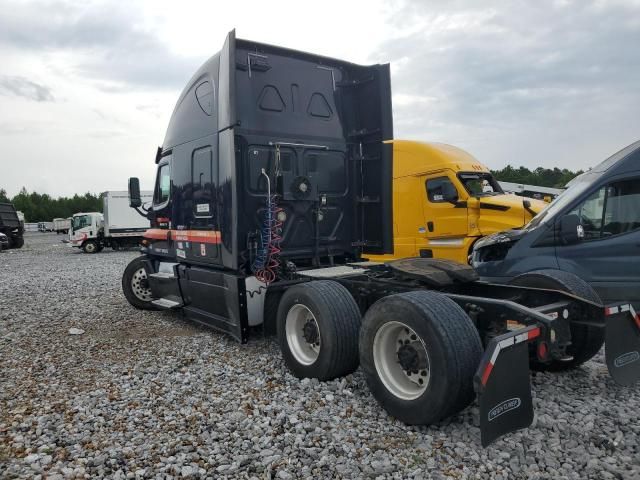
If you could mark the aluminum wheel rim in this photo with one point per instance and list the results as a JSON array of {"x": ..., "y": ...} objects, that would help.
[
  {"x": 386, "y": 344},
  {"x": 303, "y": 351},
  {"x": 137, "y": 285}
]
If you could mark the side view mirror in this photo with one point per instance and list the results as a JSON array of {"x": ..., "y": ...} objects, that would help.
[
  {"x": 134, "y": 193},
  {"x": 449, "y": 192},
  {"x": 571, "y": 231}
]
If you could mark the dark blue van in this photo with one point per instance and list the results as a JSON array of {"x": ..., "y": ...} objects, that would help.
[{"x": 591, "y": 230}]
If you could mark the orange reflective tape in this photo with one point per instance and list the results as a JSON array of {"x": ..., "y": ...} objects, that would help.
[
  {"x": 197, "y": 236},
  {"x": 156, "y": 234}
]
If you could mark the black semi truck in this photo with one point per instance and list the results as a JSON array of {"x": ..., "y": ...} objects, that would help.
[
  {"x": 11, "y": 225},
  {"x": 274, "y": 181}
]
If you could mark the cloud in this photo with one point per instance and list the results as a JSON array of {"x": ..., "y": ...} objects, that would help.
[
  {"x": 525, "y": 56},
  {"x": 109, "y": 42},
  {"x": 523, "y": 74},
  {"x": 22, "y": 87}
]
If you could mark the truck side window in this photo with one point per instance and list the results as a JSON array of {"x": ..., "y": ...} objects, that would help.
[
  {"x": 202, "y": 181},
  {"x": 204, "y": 94},
  {"x": 622, "y": 208},
  {"x": 163, "y": 185},
  {"x": 611, "y": 210},
  {"x": 590, "y": 214},
  {"x": 434, "y": 189}
]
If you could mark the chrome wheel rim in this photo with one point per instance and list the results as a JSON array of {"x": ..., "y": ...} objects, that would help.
[
  {"x": 401, "y": 360},
  {"x": 303, "y": 334},
  {"x": 139, "y": 285}
]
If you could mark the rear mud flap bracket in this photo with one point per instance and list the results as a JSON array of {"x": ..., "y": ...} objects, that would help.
[
  {"x": 503, "y": 385},
  {"x": 622, "y": 344}
]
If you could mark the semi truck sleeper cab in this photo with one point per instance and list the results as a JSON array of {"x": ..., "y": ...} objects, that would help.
[{"x": 274, "y": 182}]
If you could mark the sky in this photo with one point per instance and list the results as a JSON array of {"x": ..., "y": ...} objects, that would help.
[{"x": 87, "y": 88}]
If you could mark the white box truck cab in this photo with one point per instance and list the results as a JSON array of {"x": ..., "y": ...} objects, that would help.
[{"x": 119, "y": 227}]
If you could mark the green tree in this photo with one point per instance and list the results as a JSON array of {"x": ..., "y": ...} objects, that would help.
[
  {"x": 43, "y": 208},
  {"x": 541, "y": 177}
]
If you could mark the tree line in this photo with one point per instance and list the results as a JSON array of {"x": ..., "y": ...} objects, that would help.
[
  {"x": 39, "y": 207},
  {"x": 43, "y": 208},
  {"x": 541, "y": 177}
]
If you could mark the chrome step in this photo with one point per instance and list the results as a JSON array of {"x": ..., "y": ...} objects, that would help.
[
  {"x": 163, "y": 275},
  {"x": 166, "y": 304}
]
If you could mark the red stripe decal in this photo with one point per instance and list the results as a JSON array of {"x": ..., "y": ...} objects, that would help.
[
  {"x": 196, "y": 236},
  {"x": 487, "y": 372},
  {"x": 156, "y": 234},
  {"x": 637, "y": 319}
]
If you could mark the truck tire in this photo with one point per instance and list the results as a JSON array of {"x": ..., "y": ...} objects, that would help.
[
  {"x": 586, "y": 341},
  {"x": 135, "y": 286},
  {"x": 429, "y": 376},
  {"x": 90, "y": 246},
  {"x": 318, "y": 325},
  {"x": 18, "y": 242}
]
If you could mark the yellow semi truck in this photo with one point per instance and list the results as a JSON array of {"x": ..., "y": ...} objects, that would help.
[{"x": 444, "y": 200}]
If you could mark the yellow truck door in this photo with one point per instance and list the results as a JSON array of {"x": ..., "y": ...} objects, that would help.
[{"x": 445, "y": 218}]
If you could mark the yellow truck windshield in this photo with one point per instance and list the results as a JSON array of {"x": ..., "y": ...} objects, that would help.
[{"x": 480, "y": 184}]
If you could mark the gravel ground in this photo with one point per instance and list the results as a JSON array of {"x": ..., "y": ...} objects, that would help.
[{"x": 147, "y": 394}]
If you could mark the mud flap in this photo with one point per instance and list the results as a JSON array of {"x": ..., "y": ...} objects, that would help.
[
  {"x": 503, "y": 385},
  {"x": 622, "y": 344}
]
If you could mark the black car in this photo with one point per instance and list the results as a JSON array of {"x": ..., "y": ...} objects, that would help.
[{"x": 591, "y": 230}]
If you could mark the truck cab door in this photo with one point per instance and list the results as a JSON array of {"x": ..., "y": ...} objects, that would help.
[
  {"x": 445, "y": 219},
  {"x": 200, "y": 241}
]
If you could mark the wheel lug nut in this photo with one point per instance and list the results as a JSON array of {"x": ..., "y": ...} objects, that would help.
[{"x": 423, "y": 373}]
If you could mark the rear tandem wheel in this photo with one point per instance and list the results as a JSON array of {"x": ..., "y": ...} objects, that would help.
[
  {"x": 419, "y": 352},
  {"x": 318, "y": 325}
]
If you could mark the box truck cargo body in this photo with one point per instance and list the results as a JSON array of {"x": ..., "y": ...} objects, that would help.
[
  {"x": 119, "y": 227},
  {"x": 45, "y": 227},
  {"x": 61, "y": 225}
]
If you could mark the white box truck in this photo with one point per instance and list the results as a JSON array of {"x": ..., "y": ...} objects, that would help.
[
  {"x": 62, "y": 225},
  {"x": 119, "y": 227},
  {"x": 45, "y": 227}
]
